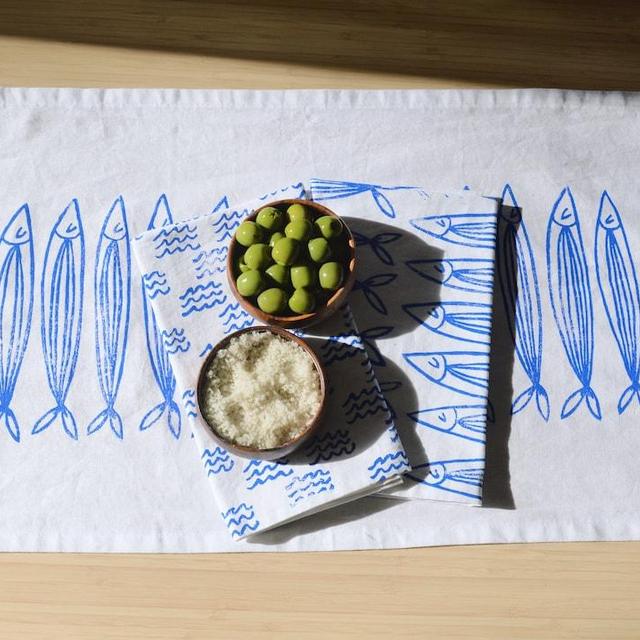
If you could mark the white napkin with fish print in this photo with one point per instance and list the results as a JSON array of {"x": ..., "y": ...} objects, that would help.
[
  {"x": 423, "y": 302},
  {"x": 357, "y": 453}
]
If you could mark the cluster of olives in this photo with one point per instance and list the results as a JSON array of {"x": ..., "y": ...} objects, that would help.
[{"x": 289, "y": 261}]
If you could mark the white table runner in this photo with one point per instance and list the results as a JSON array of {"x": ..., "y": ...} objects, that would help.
[{"x": 563, "y": 467}]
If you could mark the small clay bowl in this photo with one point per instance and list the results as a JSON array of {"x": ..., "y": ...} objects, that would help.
[
  {"x": 288, "y": 447},
  {"x": 338, "y": 297}
]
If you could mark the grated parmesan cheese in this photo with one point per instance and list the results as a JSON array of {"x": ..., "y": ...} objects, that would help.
[{"x": 261, "y": 390}]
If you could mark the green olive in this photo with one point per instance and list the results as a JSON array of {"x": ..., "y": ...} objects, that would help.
[
  {"x": 329, "y": 227},
  {"x": 258, "y": 256},
  {"x": 273, "y": 301},
  {"x": 270, "y": 218},
  {"x": 299, "y": 230},
  {"x": 302, "y": 301},
  {"x": 278, "y": 274},
  {"x": 248, "y": 233},
  {"x": 250, "y": 283},
  {"x": 330, "y": 275},
  {"x": 275, "y": 237},
  {"x": 303, "y": 275},
  {"x": 298, "y": 212},
  {"x": 319, "y": 249},
  {"x": 285, "y": 251},
  {"x": 241, "y": 265}
]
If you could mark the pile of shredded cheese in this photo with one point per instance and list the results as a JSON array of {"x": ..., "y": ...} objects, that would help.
[{"x": 261, "y": 390}]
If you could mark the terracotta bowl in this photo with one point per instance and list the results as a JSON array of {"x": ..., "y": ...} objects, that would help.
[
  {"x": 287, "y": 447},
  {"x": 337, "y": 298}
]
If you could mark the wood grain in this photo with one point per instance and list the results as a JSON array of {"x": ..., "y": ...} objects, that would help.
[{"x": 554, "y": 591}]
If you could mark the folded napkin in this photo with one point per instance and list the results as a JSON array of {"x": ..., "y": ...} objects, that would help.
[
  {"x": 423, "y": 302},
  {"x": 357, "y": 453}
]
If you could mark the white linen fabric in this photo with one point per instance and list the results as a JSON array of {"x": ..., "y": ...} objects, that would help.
[{"x": 561, "y": 455}]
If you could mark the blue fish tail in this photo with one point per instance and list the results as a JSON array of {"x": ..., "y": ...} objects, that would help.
[
  {"x": 8, "y": 418},
  {"x": 58, "y": 413},
  {"x": 168, "y": 410},
  {"x": 522, "y": 400},
  {"x": 542, "y": 401},
  {"x": 110, "y": 416},
  {"x": 575, "y": 400},
  {"x": 627, "y": 396}
]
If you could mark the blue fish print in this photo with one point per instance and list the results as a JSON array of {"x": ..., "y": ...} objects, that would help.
[
  {"x": 372, "y": 282},
  {"x": 391, "y": 464},
  {"x": 332, "y": 444},
  {"x": 201, "y": 297},
  {"x": 310, "y": 484},
  {"x": 175, "y": 341},
  {"x": 467, "y": 229},
  {"x": 376, "y": 244},
  {"x": 176, "y": 239},
  {"x": 61, "y": 294},
  {"x": 155, "y": 284},
  {"x": 209, "y": 263},
  {"x": 16, "y": 306},
  {"x": 260, "y": 472},
  {"x": 240, "y": 520},
  {"x": 463, "y": 476},
  {"x": 571, "y": 302},
  {"x": 466, "y": 274},
  {"x": 465, "y": 321},
  {"x": 112, "y": 291},
  {"x": 463, "y": 421},
  {"x": 464, "y": 371},
  {"x": 521, "y": 299},
  {"x": 335, "y": 189},
  {"x": 366, "y": 403},
  {"x": 618, "y": 284},
  {"x": 235, "y": 318},
  {"x": 217, "y": 461},
  {"x": 189, "y": 403}
]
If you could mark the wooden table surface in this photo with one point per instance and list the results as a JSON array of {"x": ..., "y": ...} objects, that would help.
[{"x": 520, "y": 591}]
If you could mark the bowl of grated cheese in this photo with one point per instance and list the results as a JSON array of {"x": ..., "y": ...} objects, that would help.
[{"x": 262, "y": 392}]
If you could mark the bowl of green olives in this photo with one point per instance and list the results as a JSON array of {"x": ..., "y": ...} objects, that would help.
[{"x": 291, "y": 263}]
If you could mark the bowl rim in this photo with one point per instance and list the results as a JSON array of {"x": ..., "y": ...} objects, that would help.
[
  {"x": 304, "y": 319},
  {"x": 290, "y": 445}
]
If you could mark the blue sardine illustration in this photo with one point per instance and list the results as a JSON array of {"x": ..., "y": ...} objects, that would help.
[
  {"x": 618, "y": 284},
  {"x": 61, "y": 292},
  {"x": 521, "y": 299},
  {"x": 335, "y": 189},
  {"x": 571, "y": 301},
  {"x": 463, "y": 476},
  {"x": 464, "y": 421},
  {"x": 376, "y": 244},
  {"x": 466, "y": 321},
  {"x": 467, "y": 229},
  {"x": 112, "y": 290},
  {"x": 16, "y": 306},
  {"x": 464, "y": 371},
  {"x": 167, "y": 410},
  {"x": 466, "y": 274}
]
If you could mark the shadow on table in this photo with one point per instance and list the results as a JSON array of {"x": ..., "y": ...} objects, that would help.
[{"x": 519, "y": 44}]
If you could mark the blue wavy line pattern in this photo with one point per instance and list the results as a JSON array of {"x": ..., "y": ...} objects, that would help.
[
  {"x": 310, "y": 484},
  {"x": 332, "y": 444},
  {"x": 240, "y": 520},
  {"x": 297, "y": 188},
  {"x": 217, "y": 461},
  {"x": 387, "y": 466},
  {"x": 189, "y": 403},
  {"x": 226, "y": 223},
  {"x": 201, "y": 297},
  {"x": 175, "y": 341},
  {"x": 210, "y": 263},
  {"x": 155, "y": 284},
  {"x": 176, "y": 239},
  {"x": 367, "y": 402},
  {"x": 341, "y": 347},
  {"x": 260, "y": 472},
  {"x": 235, "y": 318}
]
